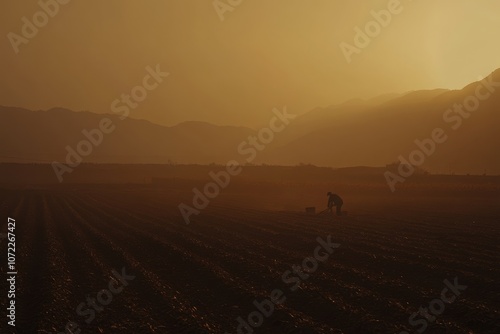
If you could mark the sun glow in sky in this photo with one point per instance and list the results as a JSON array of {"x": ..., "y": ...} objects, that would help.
[
  {"x": 462, "y": 41},
  {"x": 264, "y": 54}
]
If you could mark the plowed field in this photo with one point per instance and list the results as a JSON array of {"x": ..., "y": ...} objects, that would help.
[{"x": 199, "y": 278}]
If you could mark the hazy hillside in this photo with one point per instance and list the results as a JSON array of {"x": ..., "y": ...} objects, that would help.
[
  {"x": 376, "y": 135},
  {"x": 43, "y": 135},
  {"x": 357, "y": 133}
]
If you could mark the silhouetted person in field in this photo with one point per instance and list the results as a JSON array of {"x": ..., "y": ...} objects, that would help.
[{"x": 335, "y": 200}]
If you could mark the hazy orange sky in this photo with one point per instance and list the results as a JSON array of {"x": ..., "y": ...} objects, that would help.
[{"x": 265, "y": 54}]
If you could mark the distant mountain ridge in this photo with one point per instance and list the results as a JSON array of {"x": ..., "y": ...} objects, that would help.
[
  {"x": 42, "y": 136},
  {"x": 372, "y": 132},
  {"x": 379, "y": 134}
]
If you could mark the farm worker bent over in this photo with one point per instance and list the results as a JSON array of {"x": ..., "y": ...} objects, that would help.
[{"x": 335, "y": 200}]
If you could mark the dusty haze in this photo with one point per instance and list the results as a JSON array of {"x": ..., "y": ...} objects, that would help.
[{"x": 264, "y": 54}]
